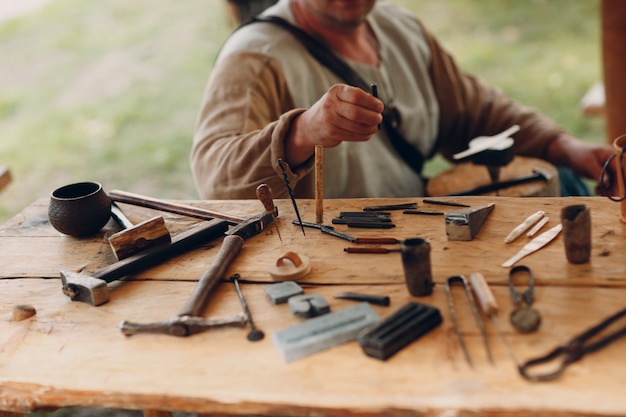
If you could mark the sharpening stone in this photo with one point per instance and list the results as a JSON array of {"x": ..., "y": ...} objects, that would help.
[
  {"x": 323, "y": 332},
  {"x": 281, "y": 292},
  {"x": 308, "y": 305},
  {"x": 399, "y": 329}
]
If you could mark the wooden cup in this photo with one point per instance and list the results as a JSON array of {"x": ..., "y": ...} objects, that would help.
[{"x": 619, "y": 145}]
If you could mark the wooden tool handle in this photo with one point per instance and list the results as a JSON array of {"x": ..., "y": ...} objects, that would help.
[
  {"x": 211, "y": 276},
  {"x": 483, "y": 293},
  {"x": 184, "y": 210},
  {"x": 377, "y": 240},
  {"x": 369, "y": 250},
  {"x": 204, "y": 232},
  {"x": 265, "y": 196}
]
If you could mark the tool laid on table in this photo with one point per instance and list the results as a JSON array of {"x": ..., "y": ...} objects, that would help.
[
  {"x": 189, "y": 319},
  {"x": 534, "y": 245},
  {"x": 524, "y": 226},
  {"x": 465, "y": 223},
  {"x": 324, "y": 332},
  {"x": 135, "y": 238},
  {"x": 254, "y": 334},
  {"x": 524, "y": 318},
  {"x": 387, "y": 207},
  {"x": 586, "y": 342},
  {"x": 489, "y": 306},
  {"x": 456, "y": 279},
  {"x": 381, "y": 300},
  {"x": 365, "y": 219},
  {"x": 399, "y": 329},
  {"x": 92, "y": 288},
  {"x": 182, "y": 209},
  {"x": 281, "y": 164},
  {"x": 444, "y": 203},
  {"x": 365, "y": 240},
  {"x": 537, "y": 227}
]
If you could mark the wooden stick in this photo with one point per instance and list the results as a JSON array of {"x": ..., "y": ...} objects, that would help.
[
  {"x": 319, "y": 184},
  {"x": 182, "y": 209}
]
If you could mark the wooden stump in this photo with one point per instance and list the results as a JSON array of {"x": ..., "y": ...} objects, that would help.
[{"x": 467, "y": 175}]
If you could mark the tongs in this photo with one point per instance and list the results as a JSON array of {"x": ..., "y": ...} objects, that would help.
[{"x": 578, "y": 347}]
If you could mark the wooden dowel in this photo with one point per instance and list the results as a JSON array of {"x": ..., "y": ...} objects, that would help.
[
  {"x": 319, "y": 184},
  {"x": 182, "y": 209}
]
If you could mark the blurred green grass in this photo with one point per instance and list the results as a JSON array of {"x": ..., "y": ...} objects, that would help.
[{"x": 110, "y": 90}]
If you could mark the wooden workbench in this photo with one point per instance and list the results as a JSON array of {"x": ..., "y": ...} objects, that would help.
[{"x": 73, "y": 354}]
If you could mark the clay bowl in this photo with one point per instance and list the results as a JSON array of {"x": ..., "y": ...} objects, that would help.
[{"x": 79, "y": 209}]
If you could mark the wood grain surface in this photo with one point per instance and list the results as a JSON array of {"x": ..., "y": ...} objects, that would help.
[{"x": 73, "y": 354}]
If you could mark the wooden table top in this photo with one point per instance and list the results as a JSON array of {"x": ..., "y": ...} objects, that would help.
[{"x": 73, "y": 354}]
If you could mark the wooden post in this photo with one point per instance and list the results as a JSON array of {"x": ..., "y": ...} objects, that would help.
[
  {"x": 319, "y": 184},
  {"x": 613, "y": 16}
]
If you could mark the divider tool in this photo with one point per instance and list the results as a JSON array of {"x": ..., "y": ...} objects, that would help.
[
  {"x": 461, "y": 279},
  {"x": 489, "y": 307},
  {"x": 281, "y": 165}
]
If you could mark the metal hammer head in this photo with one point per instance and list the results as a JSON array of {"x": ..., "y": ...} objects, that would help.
[
  {"x": 85, "y": 288},
  {"x": 542, "y": 174}
]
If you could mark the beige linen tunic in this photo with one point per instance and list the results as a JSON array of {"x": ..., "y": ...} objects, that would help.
[{"x": 264, "y": 78}]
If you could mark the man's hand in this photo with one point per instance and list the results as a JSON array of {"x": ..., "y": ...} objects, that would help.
[
  {"x": 344, "y": 113},
  {"x": 586, "y": 160}
]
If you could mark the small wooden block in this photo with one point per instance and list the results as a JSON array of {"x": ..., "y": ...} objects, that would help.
[
  {"x": 144, "y": 235},
  {"x": 22, "y": 312}
]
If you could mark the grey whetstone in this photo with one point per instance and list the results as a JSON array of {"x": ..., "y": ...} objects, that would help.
[
  {"x": 280, "y": 292},
  {"x": 324, "y": 332}
]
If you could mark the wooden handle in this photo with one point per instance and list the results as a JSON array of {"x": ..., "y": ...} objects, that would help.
[
  {"x": 204, "y": 232},
  {"x": 211, "y": 276},
  {"x": 377, "y": 240},
  {"x": 369, "y": 250},
  {"x": 264, "y": 194},
  {"x": 483, "y": 293},
  {"x": 184, "y": 210},
  {"x": 319, "y": 184}
]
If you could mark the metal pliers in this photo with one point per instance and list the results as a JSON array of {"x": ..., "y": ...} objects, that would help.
[{"x": 574, "y": 350}]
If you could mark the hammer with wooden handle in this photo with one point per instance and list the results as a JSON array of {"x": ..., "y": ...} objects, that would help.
[
  {"x": 189, "y": 320},
  {"x": 92, "y": 288}
]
